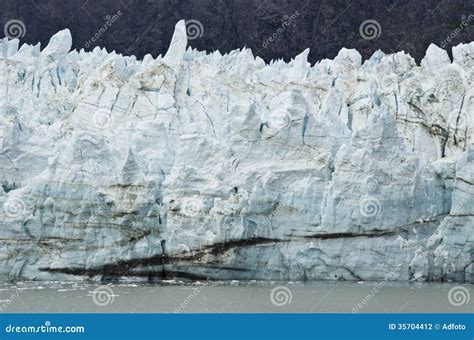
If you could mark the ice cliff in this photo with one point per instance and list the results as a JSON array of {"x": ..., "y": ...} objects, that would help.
[{"x": 207, "y": 165}]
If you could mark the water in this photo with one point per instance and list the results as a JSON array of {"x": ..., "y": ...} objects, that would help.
[{"x": 236, "y": 297}]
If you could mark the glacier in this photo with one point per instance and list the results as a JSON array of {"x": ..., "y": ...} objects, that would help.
[{"x": 197, "y": 165}]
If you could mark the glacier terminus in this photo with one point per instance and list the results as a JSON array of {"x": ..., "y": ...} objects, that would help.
[{"x": 199, "y": 165}]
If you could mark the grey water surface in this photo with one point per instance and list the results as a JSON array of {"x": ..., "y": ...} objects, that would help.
[{"x": 235, "y": 297}]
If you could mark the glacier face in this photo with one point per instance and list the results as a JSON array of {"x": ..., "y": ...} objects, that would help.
[{"x": 208, "y": 165}]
